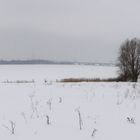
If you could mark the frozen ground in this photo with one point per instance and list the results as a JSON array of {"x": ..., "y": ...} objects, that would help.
[{"x": 56, "y": 111}]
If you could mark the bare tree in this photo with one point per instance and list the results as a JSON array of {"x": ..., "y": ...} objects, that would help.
[{"x": 129, "y": 60}]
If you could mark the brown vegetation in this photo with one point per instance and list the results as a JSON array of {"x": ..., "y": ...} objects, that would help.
[{"x": 89, "y": 80}]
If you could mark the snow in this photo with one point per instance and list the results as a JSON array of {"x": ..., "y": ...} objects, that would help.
[
  {"x": 53, "y": 72},
  {"x": 107, "y": 110}
]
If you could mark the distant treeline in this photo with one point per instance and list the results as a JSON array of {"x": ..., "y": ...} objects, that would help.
[
  {"x": 70, "y": 80},
  {"x": 39, "y": 61},
  {"x": 3, "y": 62}
]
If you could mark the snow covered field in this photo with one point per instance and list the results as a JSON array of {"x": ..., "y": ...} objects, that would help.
[
  {"x": 53, "y": 72},
  {"x": 67, "y": 111}
]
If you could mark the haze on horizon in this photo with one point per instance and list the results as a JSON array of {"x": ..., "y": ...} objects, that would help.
[{"x": 67, "y": 30}]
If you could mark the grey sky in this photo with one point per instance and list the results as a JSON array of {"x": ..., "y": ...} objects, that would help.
[{"x": 75, "y": 30}]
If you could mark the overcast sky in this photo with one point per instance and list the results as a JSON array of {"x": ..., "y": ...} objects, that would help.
[{"x": 74, "y": 30}]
